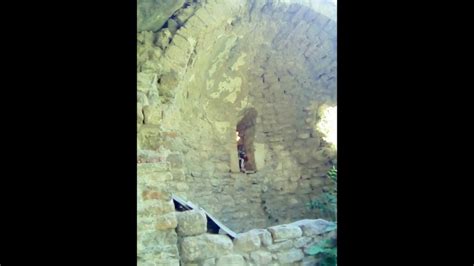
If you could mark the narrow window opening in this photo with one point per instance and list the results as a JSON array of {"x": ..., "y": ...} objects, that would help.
[{"x": 245, "y": 136}]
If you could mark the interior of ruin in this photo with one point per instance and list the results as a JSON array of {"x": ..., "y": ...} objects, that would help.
[{"x": 216, "y": 75}]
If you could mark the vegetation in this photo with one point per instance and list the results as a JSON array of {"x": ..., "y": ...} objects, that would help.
[
  {"x": 326, "y": 251},
  {"x": 327, "y": 206},
  {"x": 327, "y": 203}
]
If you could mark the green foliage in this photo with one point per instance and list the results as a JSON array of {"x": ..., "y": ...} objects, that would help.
[
  {"x": 326, "y": 251},
  {"x": 327, "y": 203},
  {"x": 332, "y": 173}
]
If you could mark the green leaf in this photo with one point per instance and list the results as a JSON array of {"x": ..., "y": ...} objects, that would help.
[
  {"x": 314, "y": 250},
  {"x": 332, "y": 251}
]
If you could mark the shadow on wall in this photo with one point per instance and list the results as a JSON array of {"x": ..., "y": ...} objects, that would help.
[{"x": 246, "y": 131}]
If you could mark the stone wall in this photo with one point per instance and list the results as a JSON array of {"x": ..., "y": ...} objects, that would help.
[
  {"x": 196, "y": 82},
  {"x": 278, "y": 245},
  {"x": 167, "y": 237},
  {"x": 159, "y": 174},
  {"x": 198, "y": 72},
  {"x": 156, "y": 222}
]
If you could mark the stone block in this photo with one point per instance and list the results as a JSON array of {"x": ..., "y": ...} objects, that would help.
[
  {"x": 261, "y": 257},
  {"x": 152, "y": 194},
  {"x": 166, "y": 221},
  {"x": 139, "y": 113},
  {"x": 248, "y": 241},
  {"x": 190, "y": 264},
  {"x": 281, "y": 246},
  {"x": 146, "y": 81},
  {"x": 153, "y": 97},
  {"x": 311, "y": 227},
  {"x": 231, "y": 260},
  {"x": 176, "y": 160},
  {"x": 195, "y": 24},
  {"x": 162, "y": 262},
  {"x": 205, "y": 246},
  {"x": 290, "y": 256},
  {"x": 191, "y": 223},
  {"x": 209, "y": 262},
  {"x": 181, "y": 42},
  {"x": 157, "y": 207},
  {"x": 177, "y": 56},
  {"x": 157, "y": 242},
  {"x": 149, "y": 137},
  {"x": 152, "y": 15},
  {"x": 184, "y": 14},
  {"x": 180, "y": 186},
  {"x": 173, "y": 26},
  {"x": 152, "y": 114},
  {"x": 178, "y": 174},
  {"x": 142, "y": 98},
  {"x": 283, "y": 232},
  {"x": 302, "y": 241},
  {"x": 203, "y": 16},
  {"x": 163, "y": 39},
  {"x": 159, "y": 177}
]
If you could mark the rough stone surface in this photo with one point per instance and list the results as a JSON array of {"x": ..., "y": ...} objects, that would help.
[
  {"x": 310, "y": 261},
  {"x": 207, "y": 68},
  {"x": 153, "y": 14},
  {"x": 247, "y": 241},
  {"x": 232, "y": 259},
  {"x": 154, "y": 242},
  {"x": 166, "y": 221},
  {"x": 290, "y": 256},
  {"x": 226, "y": 66},
  {"x": 152, "y": 261},
  {"x": 205, "y": 246},
  {"x": 265, "y": 236},
  {"x": 314, "y": 227},
  {"x": 152, "y": 115},
  {"x": 191, "y": 264},
  {"x": 191, "y": 223},
  {"x": 287, "y": 244},
  {"x": 302, "y": 241},
  {"x": 209, "y": 262},
  {"x": 211, "y": 249},
  {"x": 156, "y": 207},
  {"x": 261, "y": 257},
  {"x": 283, "y": 232}
]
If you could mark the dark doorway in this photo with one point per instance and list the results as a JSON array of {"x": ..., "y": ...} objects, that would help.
[{"x": 246, "y": 132}]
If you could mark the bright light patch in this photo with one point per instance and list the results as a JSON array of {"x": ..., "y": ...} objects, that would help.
[
  {"x": 328, "y": 124},
  {"x": 237, "y": 137}
]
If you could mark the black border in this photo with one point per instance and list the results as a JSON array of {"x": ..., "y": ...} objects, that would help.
[
  {"x": 402, "y": 137},
  {"x": 69, "y": 181}
]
